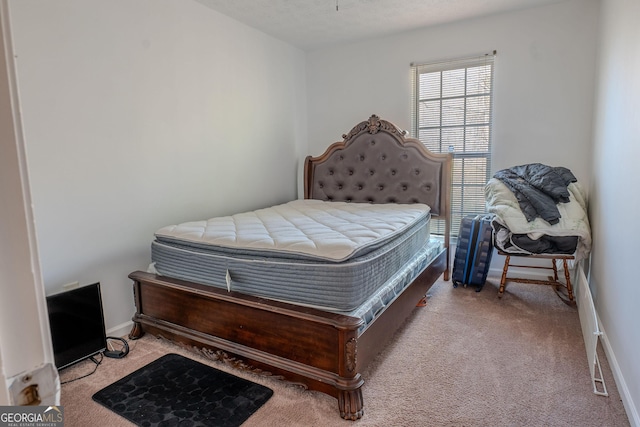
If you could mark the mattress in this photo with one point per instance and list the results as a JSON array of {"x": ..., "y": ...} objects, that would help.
[
  {"x": 329, "y": 255},
  {"x": 392, "y": 289}
]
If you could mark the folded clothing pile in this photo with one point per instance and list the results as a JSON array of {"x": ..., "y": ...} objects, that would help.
[{"x": 539, "y": 209}]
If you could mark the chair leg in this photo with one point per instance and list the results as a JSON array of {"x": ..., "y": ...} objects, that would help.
[
  {"x": 568, "y": 298},
  {"x": 567, "y": 277},
  {"x": 503, "y": 280}
]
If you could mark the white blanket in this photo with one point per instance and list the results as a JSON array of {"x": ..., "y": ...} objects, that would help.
[
  {"x": 326, "y": 230},
  {"x": 573, "y": 222}
]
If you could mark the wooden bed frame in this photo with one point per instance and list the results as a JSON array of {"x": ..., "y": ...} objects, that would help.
[{"x": 320, "y": 350}]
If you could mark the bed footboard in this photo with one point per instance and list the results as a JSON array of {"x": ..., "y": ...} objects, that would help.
[
  {"x": 313, "y": 348},
  {"x": 319, "y": 350}
]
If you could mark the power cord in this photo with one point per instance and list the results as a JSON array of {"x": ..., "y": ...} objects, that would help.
[
  {"x": 111, "y": 351},
  {"x": 94, "y": 360},
  {"x": 116, "y": 353}
]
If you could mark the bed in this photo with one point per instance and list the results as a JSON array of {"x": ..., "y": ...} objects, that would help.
[{"x": 314, "y": 312}]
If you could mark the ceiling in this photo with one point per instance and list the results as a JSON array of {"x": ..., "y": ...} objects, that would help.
[{"x": 313, "y": 24}]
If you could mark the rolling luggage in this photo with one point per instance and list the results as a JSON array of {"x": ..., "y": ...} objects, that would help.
[{"x": 473, "y": 251}]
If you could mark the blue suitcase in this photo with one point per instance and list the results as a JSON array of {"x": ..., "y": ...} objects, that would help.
[{"x": 473, "y": 251}]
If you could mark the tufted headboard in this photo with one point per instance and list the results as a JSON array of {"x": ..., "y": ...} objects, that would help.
[{"x": 376, "y": 163}]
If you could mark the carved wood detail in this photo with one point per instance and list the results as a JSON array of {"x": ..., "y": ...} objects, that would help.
[
  {"x": 234, "y": 362},
  {"x": 351, "y": 404},
  {"x": 351, "y": 354},
  {"x": 373, "y": 126}
]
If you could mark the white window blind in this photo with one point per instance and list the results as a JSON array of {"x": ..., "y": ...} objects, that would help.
[{"x": 452, "y": 111}]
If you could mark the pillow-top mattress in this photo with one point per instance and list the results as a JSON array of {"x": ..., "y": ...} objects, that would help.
[{"x": 328, "y": 255}]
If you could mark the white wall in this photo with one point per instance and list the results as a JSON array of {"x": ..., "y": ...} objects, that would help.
[
  {"x": 544, "y": 76},
  {"x": 143, "y": 114},
  {"x": 614, "y": 195}
]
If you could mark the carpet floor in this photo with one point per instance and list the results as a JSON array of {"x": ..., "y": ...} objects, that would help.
[{"x": 466, "y": 359}]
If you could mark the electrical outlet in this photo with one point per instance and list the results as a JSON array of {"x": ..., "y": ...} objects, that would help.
[{"x": 69, "y": 286}]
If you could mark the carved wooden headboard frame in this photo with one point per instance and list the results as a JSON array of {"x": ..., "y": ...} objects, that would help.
[{"x": 376, "y": 163}]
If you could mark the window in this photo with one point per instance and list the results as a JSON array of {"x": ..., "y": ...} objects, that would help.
[{"x": 452, "y": 111}]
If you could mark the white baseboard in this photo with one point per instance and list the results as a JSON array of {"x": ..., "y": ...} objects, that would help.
[
  {"x": 121, "y": 330},
  {"x": 621, "y": 384}
]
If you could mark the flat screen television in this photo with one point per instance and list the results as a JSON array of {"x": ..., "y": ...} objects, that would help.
[{"x": 77, "y": 324}]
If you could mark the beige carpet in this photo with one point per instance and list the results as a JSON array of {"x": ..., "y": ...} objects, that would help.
[{"x": 466, "y": 359}]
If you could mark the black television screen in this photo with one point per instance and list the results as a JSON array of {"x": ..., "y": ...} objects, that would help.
[{"x": 77, "y": 324}]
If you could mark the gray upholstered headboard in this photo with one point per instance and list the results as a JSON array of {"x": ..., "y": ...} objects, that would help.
[{"x": 376, "y": 164}]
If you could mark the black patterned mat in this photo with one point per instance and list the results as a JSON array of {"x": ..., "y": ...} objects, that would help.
[{"x": 176, "y": 391}]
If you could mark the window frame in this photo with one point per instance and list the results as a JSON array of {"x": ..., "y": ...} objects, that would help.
[{"x": 460, "y": 158}]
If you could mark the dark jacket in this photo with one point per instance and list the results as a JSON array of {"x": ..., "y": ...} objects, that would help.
[{"x": 538, "y": 189}]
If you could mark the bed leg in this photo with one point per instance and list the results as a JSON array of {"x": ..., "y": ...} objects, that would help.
[
  {"x": 350, "y": 404},
  {"x": 136, "y": 331}
]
